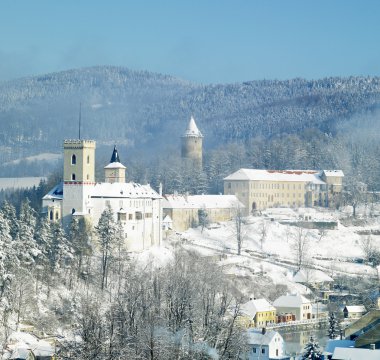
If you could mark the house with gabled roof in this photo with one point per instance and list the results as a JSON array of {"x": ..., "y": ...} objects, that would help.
[
  {"x": 257, "y": 313},
  {"x": 354, "y": 311},
  {"x": 265, "y": 345},
  {"x": 295, "y": 304}
]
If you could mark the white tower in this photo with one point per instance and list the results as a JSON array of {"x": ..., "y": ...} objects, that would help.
[
  {"x": 192, "y": 144},
  {"x": 78, "y": 177}
]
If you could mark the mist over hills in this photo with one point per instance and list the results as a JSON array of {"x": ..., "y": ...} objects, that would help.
[{"x": 147, "y": 112}]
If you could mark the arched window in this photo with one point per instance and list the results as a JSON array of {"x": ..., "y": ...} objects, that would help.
[
  {"x": 56, "y": 216},
  {"x": 88, "y": 177},
  {"x": 72, "y": 211},
  {"x": 88, "y": 159},
  {"x": 51, "y": 215},
  {"x": 73, "y": 159}
]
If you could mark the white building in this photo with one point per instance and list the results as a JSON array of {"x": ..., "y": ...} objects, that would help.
[
  {"x": 295, "y": 304},
  {"x": 136, "y": 206},
  {"x": 265, "y": 345}
]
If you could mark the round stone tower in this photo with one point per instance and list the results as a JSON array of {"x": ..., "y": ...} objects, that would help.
[{"x": 192, "y": 144}]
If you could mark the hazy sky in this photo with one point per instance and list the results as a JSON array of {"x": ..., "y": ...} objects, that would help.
[{"x": 208, "y": 41}]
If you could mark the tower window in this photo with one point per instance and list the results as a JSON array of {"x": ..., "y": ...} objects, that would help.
[
  {"x": 72, "y": 176},
  {"x": 88, "y": 159},
  {"x": 88, "y": 177},
  {"x": 73, "y": 159},
  {"x": 51, "y": 215},
  {"x": 72, "y": 211}
]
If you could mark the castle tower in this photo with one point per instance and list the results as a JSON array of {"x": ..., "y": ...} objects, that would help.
[
  {"x": 114, "y": 172},
  {"x": 192, "y": 144},
  {"x": 78, "y": 176}
]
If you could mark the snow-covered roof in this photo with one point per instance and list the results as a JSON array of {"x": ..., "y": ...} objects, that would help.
[
  {"x": 256, "y": 337},
  {"x": 332, "y": 344},
  {"x": 355, "y": 308},
  {"x": 309, "y": 176},
  {"x": 311, "y": 276},
  {"x": 356, "y": 354},
  {"x": 123, "y": 190},
  {"x": 55, "y": 193},
  {"x": 115, "y": 165},
  {"x": 167, "y": 219},
  {"x": 192, "y": 129},
  {"x": 292, "y": 300},
  {"x": 201, "y": 201},
  {"x": 333, "y": 173},
  {"x": 251, "y": 307}
]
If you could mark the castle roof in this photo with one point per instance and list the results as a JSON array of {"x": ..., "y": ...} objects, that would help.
[
  {"x": 123, "y": 190},
  {"x": 201, "y": 201},
  {"x": 311, "y": 176},
  {"x": 115, "y": 155},
  {"x": 115, "y": 161},
  {"x": 192, "y": 129}
]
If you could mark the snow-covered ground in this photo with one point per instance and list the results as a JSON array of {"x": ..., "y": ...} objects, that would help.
[{"x": 268, "y": 247}]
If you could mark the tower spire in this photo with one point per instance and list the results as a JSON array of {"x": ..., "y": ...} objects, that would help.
[{"x": 115, "y": 155}]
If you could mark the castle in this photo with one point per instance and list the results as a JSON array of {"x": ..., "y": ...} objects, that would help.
[{"x": 137, "y": 207}]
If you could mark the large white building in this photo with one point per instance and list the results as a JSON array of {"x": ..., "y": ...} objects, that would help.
[{"x": 136, "y": 206}]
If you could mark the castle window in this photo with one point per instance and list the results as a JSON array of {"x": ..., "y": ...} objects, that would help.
[
  {"x": 72, "y": 211},
  {"x": 56, "y": 216},
  {"x": 130, "y": 216},
  {"x": 73, "y": 159},
  {"x": 88, "y": 177},
  {"x": 88, "y": 159},
  {"x": 121, "y": 216},
  {"x": 72, "y": 176},
  {"x": 51, "y": 215},
  {"x": 138, "y": 215}
]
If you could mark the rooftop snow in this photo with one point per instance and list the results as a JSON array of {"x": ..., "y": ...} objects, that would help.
[
  {"x": 192, "y": 129},
  {"x": 257, "y": 337},
  {"x": 293, "y": 300},
  {"x": 355, "y": 308},
  {"x": 311, "y": 176},
  {"x": 201, "y": 201},
  {"x": 333, "y": 173},
  {"x": 311, "y": 276},
  {"x": 115, "y": 165},
  {"x": 123, "y": 190},
  {"x": 251, "y": 307},
  {"x": 55, "y": 193}
]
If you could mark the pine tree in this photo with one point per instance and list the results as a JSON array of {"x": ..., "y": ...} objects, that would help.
[
  {"x": 107, "y": 237},
  {"x": 333, "y": 330},
  {"x": 312, "y": 351}
]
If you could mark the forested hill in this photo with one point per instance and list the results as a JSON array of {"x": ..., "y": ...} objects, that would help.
[{"x": 148, "y": 111}]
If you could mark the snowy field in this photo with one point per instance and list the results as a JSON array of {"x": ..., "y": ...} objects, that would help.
[{"x": 269, "y": 247}]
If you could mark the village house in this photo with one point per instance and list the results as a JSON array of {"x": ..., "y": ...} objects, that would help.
[
  {"x": 354, "y": 311},
  {"x": 186, "y": 211},
  {"x": 294, "y": 304},
  {"x": 137, "y": 207},
  {"x": 262, "y": 189},
  {"x": 257, "y": 313},
  {"x": 265, "y": 345}
]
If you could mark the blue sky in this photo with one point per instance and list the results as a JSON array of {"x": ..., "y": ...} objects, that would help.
[{"x": 207, "y": 41}]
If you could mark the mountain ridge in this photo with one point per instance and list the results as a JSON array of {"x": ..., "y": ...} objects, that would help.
[{"x": 149, "y": 111}]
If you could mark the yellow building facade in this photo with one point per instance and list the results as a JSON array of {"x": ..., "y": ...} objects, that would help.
[
  {"x": 262, "y": 189},
  {"x": 257, "y": 313}
]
